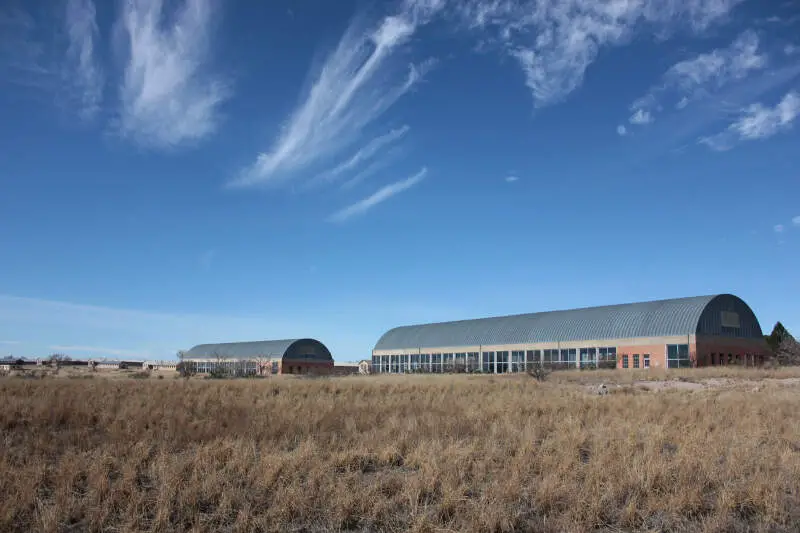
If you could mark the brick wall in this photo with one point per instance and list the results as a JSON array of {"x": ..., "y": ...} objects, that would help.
[
  {"x": 715, "y": 351},
  {"x": 305, "y": 367},
  {"x": 657, "y": 353}
]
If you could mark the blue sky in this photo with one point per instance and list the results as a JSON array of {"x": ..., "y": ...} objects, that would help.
[{"x": 174, "y": 173}]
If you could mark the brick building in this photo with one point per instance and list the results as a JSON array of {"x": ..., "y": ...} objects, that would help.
[
  {"x": 675, "y": 333},
  {"x": 291, "y": 356}
]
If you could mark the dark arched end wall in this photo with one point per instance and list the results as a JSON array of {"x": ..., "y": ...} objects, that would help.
[
  {"x": 728, "y": 332},
  {"x": 307, "y": 356},
  {"x": 727, "y": 315}
]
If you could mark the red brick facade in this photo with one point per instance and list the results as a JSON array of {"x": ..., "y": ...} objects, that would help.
[
  {"x": 317, "y": 368},
  {"x": 657, "y": 355},
  {"x": 715, "y": 351},
  {"x": 705, "y": 351}
]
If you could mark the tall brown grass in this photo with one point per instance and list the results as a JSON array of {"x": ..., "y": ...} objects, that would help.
[{"x": 416, "y": 453}]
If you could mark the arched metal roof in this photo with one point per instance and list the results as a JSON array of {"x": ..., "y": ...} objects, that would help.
[
  {"x": 679, "y": 316},
  {"x": 287, "y": 348}
]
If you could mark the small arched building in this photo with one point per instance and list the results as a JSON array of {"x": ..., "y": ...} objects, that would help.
[
  {"x": 676, "y": 333},
  {"x": 290, "y": 356}
]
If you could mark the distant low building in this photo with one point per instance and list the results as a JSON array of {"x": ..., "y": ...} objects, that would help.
[
  {"x": 107, "y": 365},
  {"x": 291, "y": 356},
  {"x": 345, "y": 368},
  {"x": 160, "y": 365}
]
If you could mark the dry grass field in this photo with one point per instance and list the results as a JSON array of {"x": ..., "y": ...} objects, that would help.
[{"x": 426, "y": 453}]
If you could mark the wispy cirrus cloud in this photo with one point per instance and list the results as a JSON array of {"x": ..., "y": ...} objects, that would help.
[
  {"x": 757, "y": 121},
  {"x": 54, "y": 55},
  {"x": 702, "y": 75},
  {"x": 81, "y": 66},
  {"x": 371, "y": 168},
  {"x": 356, "y": 85},
  {"x": 380, "y": 196},
  {"x": 22, "y": 58},
  {"x": 169, "y": 94},
  {"x": 555, "y": 41},
  {"x": 641, "y": 117},
  {"x": 511, "y": 179},
  {"x": 365, "y": 153}
]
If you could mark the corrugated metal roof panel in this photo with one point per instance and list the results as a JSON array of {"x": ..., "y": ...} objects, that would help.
[
  {"x": 241, "y": 350},
  {"x": 658, "y": 318}
]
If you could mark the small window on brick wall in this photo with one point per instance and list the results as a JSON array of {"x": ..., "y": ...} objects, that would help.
[
  {"x": 624, "y": 361},
  {"x": 647, "y": 360},
  {"x": 636, "y": 360}
]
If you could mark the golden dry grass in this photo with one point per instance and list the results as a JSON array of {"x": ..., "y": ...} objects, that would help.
[{"x": 447, "y": 453}]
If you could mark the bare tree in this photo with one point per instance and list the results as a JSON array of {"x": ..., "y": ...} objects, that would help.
[
  {"x": 263, "y": 366},
  {"x": 185, "y": 368},
  {"x": 220, "y": 369},
  {"x": 538, "y": 371},
  {"x": 788, "y": 352},
  {"x": 56, "y": 360}
]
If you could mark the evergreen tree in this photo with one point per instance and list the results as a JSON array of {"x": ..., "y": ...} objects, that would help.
[{"x": 778, "y": 336}]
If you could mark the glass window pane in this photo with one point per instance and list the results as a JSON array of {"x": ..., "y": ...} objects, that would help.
[{"x": 672, "y": 351}]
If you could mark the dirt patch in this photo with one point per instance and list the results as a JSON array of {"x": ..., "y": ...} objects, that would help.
[{"x": 669, "y": 384}]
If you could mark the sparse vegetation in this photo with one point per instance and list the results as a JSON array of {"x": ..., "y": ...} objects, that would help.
[
  {"x": 419, "y": 453},
  {"x": 785, "y": 348},
  {"x": 539, "y": 372}
]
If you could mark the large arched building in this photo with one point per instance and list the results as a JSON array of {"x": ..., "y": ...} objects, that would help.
[
  {"x": 676, "y": 333},
  {"x": 291, "y": 356}
]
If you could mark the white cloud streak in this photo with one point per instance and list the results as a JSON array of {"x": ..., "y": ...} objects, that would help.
[
  {"x": 757, "y": 121},
  {"x": 81, "y": 66},
  {"x": 512, "y": 179},
  {"x": 720, "y": 66},
  {"x": 168, "y": 96},
  {"x": 380, "y": 196},
  {"x": 366, "y": 153},
  {"x": 22, "y": 57},
  {"x": 641, "y": 117},
  {"x": 356, "y": 85},
  {"x": 555, "y": 41},
  {"x": 704, "y": 74},
  {"x": 369, "y": 170}
]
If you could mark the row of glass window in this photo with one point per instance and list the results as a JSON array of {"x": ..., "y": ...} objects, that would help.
[
  {"x": 644, "y": 359},
  {"x": 238, "y": 368},
  {"x": 495, "y": 362},
  {"x": 678, "y": 356}
]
